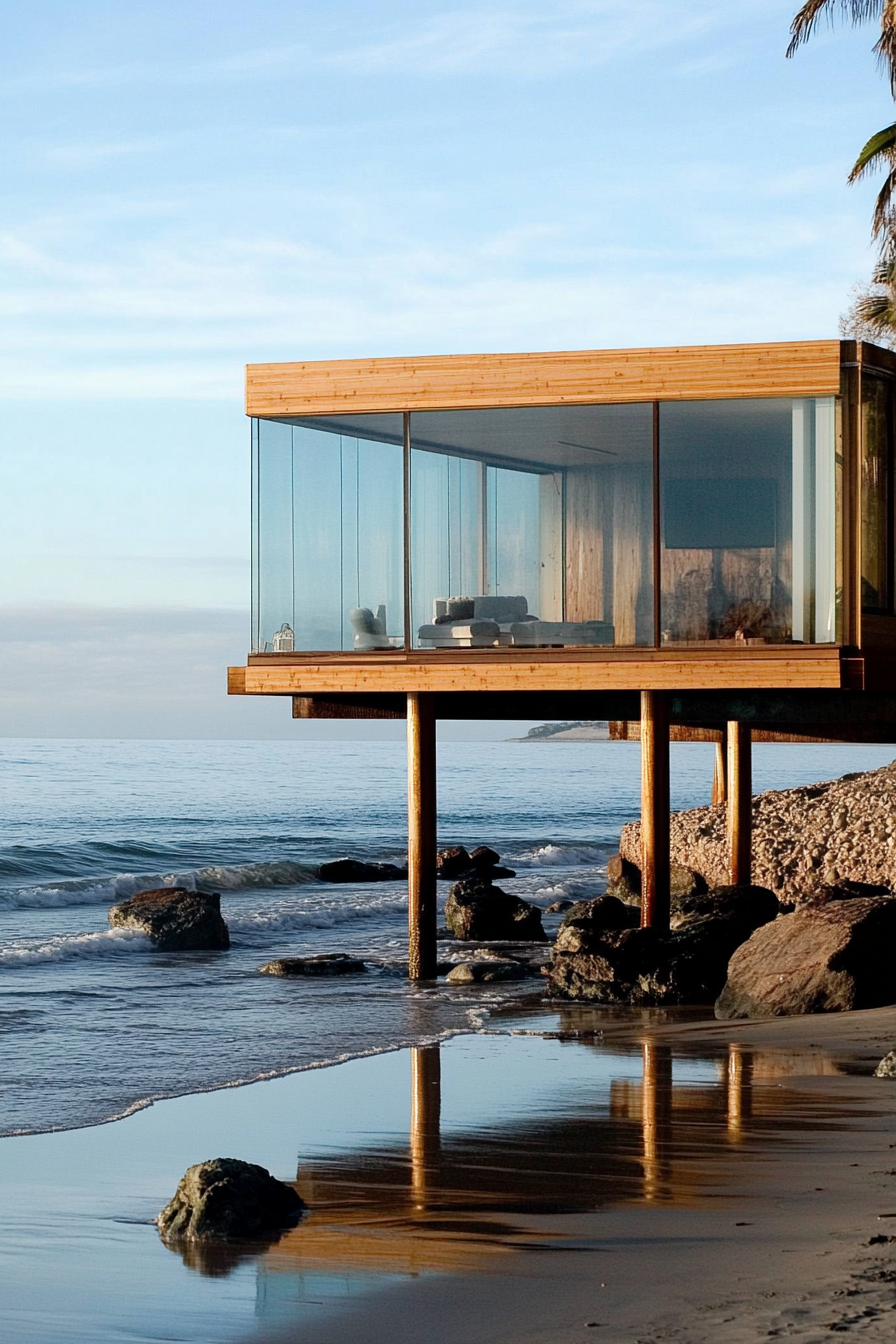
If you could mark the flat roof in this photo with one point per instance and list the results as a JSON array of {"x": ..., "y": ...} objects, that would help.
[{"x": 565, "y": 377}]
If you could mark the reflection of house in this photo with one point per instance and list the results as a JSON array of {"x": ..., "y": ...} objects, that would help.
[{"x": 571, "y": 530}]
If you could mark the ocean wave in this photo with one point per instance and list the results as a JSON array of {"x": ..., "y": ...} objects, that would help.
[
  {"x": 561, "y": 856},
  {"x": 574, "y": 889},
  {"x": 314, "y": 914},
  {"x": 107, "y": 890},
  {"x": 111, "y": 942}
]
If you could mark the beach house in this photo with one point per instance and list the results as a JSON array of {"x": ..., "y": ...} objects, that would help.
[{"x": 689, "y": 542}]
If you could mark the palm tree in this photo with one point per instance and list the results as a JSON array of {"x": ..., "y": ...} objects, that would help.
[
  {"x": 856, "y": 11},
  {"x": 872, "y": 315},
  {"x": 880, "y": 152}
]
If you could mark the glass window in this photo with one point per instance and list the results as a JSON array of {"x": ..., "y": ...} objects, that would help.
[
  {"x": 328, "y": 525},
  {"x": 532, "y": 526},
  {"x": 876, "y": 490},
  {"x": 747, "y": 514}
]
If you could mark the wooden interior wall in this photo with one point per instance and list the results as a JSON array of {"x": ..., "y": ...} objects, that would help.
[{"x": 608, "y": 550}]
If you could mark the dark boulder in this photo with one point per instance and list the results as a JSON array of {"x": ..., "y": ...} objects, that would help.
[
  {"x": 598, "y": 958},
  {"x": 455, "y": 863},
  {"x": 484, "y": 858},
  {"x": 823, "y": 958},
  {"x": 451, "y": 862},
  {"x": 355, "y": 870},
  {"x": 229, "y": 1200},
  {"x": 476, "y": 911},
  {"x": 587, "y": 921},
  {"x": 750, "y": 906},
  {"x": 324, "y": 963},
  {"x": 175, "y": 919},
  {"x": 819, "y": 893},
  {"x": 559, "y": 907},
  {"x": 624, "y": 881}
]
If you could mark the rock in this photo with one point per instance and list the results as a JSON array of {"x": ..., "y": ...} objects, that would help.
[
  {"x": 600, "y": 956},
  {"x": 752, "y": 906},
  {"x": 624, "y": 881},
  {"x": 585, "y": 923},
  {"x": 175, "y": 919},
  {"x": 325, "y": 963},
  {"x": 229, "y": 1200},
  {"x": 476, "y": 911},
  {"x": 455, "y": 863},
  {"x": 355, "y": 870},
  {"x": 559, "y": 907},
  {"x": 830, "y": 835},
  {"x": 484, "y": 858},
  {"x": 821, "y": 959},
  {"x": 822, "y": 892},
  {"x": 485, "y": 972},
  {"x": 450, "y": 863},
  {"x": 887, "y": 1067}
]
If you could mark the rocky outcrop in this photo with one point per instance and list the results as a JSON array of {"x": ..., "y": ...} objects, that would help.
[
  {"x": 324, "y": 963},
  {"x": 600, "y": 957},
  {"x": 822, "y": 958},
  {"x": 356, "y": 870},
  {"x": 478, "y": 911},
  {"x": 803, "y": 839},
  {"x": 175, "y": 919},
  {"x": 229, "y": 1200}
]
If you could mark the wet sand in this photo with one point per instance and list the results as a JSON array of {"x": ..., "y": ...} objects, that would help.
[
  {"x": 771, "y": 1237},
  {"x": 631, "y": 1177}
]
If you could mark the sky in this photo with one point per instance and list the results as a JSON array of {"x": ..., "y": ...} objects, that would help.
[{"x": 189, "y": 187}]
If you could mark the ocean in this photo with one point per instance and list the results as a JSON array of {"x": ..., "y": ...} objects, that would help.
[{"x": 97, "y": 1024}]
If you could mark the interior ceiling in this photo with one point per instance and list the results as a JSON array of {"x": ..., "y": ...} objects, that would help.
[{"x": 547, "y": 438}]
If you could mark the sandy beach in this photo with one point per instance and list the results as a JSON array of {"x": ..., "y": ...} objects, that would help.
[{"x": 571, "y": 1174}]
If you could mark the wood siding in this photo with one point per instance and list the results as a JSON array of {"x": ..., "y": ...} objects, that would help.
[{"x": 444, "y": 382}]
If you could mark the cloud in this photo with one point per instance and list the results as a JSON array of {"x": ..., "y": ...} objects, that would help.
[{"x": 523, "y": 38}]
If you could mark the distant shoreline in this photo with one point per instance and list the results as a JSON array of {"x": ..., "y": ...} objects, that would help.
[{"x": 567, "y": 732}]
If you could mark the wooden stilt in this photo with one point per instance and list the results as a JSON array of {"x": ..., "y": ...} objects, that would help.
[
  {"x": 740, "y": 804},
  {"x": 426, "y": 1105},
  {"x": 655, "y": 810},
  {"x": 720, "y": 776},
  {"x": 421, "y": 835}
]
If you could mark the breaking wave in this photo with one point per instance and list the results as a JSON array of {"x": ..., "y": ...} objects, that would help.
[
  {"x": 561, "y": 856},
  {"x": 111, "y": 942},
  {"x": 107, "y": 890}
]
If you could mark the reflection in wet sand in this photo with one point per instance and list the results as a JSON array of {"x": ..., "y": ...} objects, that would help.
[{"x": 445, "y": 1202}]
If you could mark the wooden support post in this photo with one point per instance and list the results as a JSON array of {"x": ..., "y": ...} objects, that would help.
[
  {"x": 740, "y": 804},
  {"x": 720, "y": 776},
  {"x": 655, "y": 811},
  {"x": 421, "y": 836}
]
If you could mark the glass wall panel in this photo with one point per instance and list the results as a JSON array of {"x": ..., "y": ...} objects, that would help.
[
  {"x": 532, "y": 526},
  {"x": 328, "y": 534},
  {"x": 748, "y": 528},
  {"x": 877, "y": 524}
]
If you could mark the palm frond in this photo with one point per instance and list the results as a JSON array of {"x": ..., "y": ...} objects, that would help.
[
  {"x": 883, "y": 219},
  {"x": 879, "y": 150},
  {"x": 856, "y": 11}
]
